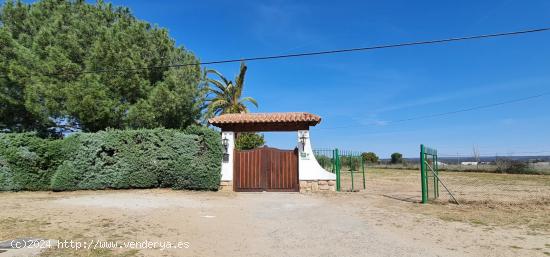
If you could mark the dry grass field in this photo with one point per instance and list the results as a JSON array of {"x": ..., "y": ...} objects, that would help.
[{"x": 485, "y": 198}]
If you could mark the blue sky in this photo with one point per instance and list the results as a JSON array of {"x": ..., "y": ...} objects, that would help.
[{"x": 363, "y": 91}]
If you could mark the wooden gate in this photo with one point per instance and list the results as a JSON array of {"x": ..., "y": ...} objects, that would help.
[{"x": 265, "y": 169}]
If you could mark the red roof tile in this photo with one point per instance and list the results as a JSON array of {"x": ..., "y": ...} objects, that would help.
[{"x": 273, "y": 117}]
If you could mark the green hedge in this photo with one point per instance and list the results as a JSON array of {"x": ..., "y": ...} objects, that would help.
[
  {"x": 27, "y": 161},
  {"x": 117, "y": 159},
  {"x": 207, "y": 166}
]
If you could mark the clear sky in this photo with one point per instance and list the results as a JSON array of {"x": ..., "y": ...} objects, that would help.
[{"x": 364, "y": 91}]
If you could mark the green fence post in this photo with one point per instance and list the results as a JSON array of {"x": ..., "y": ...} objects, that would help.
[
  {"x": 434, "y": 179},
  {"x": 427, "y": 171},
  {"x": 351, "y": 169},
  {"x": 333, "y": 162},
  {"x": 423, "y": 176},
  {"x": 337, "y": 166},
  {"x": 363, "y": 170},
  {"x": 436, "y": 170}
]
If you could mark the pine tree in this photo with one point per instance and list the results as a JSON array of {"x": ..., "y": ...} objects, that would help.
[{"x": 45, "y": 47}]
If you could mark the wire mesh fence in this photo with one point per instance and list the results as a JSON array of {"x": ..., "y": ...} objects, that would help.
[
  {"x": 326, "y": 158},
  {"x": 469, "y": 188},
  {"x": 352, "y": 171},
  {"x": 478, "y": 187},
  {"x": 348, "y": 166},
  {"x": 469, "y": 185}
]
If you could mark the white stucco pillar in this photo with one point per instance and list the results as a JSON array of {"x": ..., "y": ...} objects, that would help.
[
  {"x": 227, "y": 161},
  {"x": 309, "y": 168}
]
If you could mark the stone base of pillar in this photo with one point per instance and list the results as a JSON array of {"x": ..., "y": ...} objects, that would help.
[
  {"x": 317, "y": 186},
  {"x": 226, "y": 186},
  {"x": 305, "y": 186}
]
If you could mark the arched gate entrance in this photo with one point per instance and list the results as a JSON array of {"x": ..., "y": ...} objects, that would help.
[{"x": 271, "y": 169}]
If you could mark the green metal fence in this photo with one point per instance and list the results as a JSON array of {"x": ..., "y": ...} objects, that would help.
[
  {"x": 429, "y": 175},
  {"x": 348, "y": 166},
  {"x": 329, "y": 160}
]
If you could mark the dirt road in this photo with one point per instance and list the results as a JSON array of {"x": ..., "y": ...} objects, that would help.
[{"x": 252, "y": 224}]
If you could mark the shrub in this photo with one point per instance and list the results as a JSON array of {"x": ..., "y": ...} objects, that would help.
[
  {"x": 27, "y": 161},
  {"x": 207, "y": 166},
  {"x": 65, "y": 178},
  {"x": 348, "y": 162},
  {"x": 117, "y": 159},
  {"x": 396, "y": 158},
  {"x": 513, "y": 166},
  {"x": 6, "y": 178},
  {"x": 247, "y": 141},
  {"x": 138, "y": 159},
  {"x": 324, "y": 161},
  {"x": 370, "y": 157}
]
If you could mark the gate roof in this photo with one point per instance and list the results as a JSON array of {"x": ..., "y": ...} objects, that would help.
[{"x": 274, "y": 121}]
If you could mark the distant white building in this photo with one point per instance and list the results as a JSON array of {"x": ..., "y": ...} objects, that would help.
[
  {"x": 469, "y": 163},
  {"x": 541, "y": 164}
]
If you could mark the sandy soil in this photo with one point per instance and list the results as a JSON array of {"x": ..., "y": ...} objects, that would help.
[{"x": 255, "y": 224}]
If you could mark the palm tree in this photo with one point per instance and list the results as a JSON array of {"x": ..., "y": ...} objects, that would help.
[{"x": 226, "y": 94}]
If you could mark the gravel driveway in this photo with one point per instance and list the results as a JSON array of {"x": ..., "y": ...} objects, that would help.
[{"x": 243, "y": 224}]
